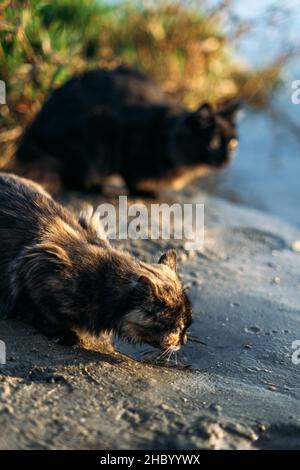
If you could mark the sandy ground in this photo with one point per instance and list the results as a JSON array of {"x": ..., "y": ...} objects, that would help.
[{"x": 241, "y": 389}]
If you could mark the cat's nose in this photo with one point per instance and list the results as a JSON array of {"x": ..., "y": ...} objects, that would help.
[
  {"x": 233, "y": 144},
  {"x": 184, "y": 339}
]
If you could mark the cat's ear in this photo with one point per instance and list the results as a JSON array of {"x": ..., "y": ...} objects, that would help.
[
  {"x": 205, "y": 115},
  {"x": 169, "y": 259},
  {"x": 202, "y": 118},
  {"x": 205, "y": 110},
  {"x": 230, "y": 109}
]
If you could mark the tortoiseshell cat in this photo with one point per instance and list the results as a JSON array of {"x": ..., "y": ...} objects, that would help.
[
  {"x": 59, "y": 275},
  {"x": 119, "y": 122}
]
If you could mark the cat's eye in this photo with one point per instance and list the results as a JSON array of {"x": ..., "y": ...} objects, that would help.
[
  {"x": 148, "y": 312},
  {"x": 233, "y": 144},
  {"x": 215, "y": 142}
]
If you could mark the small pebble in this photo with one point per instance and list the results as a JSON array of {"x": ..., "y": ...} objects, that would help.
[
  {"x": 275, "y": 253},
  {"x": 164, "y": 407}
]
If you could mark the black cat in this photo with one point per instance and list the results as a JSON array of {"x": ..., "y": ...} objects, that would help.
[{"x": 119, "y": 122}]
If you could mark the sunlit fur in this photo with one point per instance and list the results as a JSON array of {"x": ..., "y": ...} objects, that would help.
[
  {"x": 57, "y": 274},
  {"x": 164, "y": 312}
]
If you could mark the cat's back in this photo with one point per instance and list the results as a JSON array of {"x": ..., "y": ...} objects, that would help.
[
  {"x": 133, "y": 87},
  {"x": 119, "y": 87},
  {"x": 99, "y": 89},
  {"x": 97, "y": 96},
  {"x": 25, "y": 210},
  {"x": 18, "y": 196},
  {"x": 22, "y": 206},
  {"x": 21, "y": 209}
]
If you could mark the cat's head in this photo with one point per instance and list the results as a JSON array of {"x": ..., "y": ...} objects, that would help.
[
  {"x": 207, "y": 136},
  {"x": 160, "y": 312}
]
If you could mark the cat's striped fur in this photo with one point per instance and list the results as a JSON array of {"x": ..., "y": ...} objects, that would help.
[{"x": 58, "y": 274}]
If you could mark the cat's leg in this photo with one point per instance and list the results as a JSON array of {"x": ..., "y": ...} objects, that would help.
[
  {"x": 135, "y": 191},
  {"x": 95, "y": 189},
  {"x": 59, "y": 333},
  {"x": 44, "y": 174},
  {"x": 62, "y": 333},
  {"x": 67, "y": 337},
  {"x": 52, "y": 184},
  {"x": 80, "y": 180}
]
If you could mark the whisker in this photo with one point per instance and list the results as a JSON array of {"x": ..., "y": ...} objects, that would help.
[
  {"x": 165, "y": 353},
  {"x": 159, "y": 356},
  {"x": 195, "y": 339},
  {"x": 166, "y": 356},
  {"x": 148, "y": 351},
  {"x": 169, "y": 356},
  {"x": 176, "y": 358}
]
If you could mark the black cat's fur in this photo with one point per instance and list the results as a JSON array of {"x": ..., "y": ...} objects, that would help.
[
  {"x": 119, "y": 122},
  {"x": 58, "y": 274}
]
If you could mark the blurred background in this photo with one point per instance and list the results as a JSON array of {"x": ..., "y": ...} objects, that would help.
[{"x": 202, "y": 50}]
